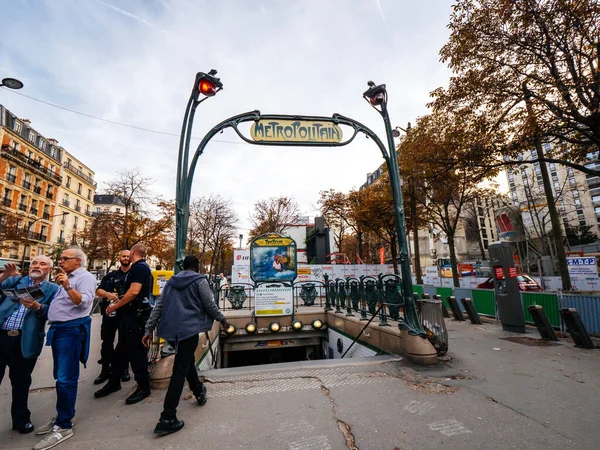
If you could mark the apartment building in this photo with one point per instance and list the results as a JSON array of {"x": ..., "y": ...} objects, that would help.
[
  {"x": 29, "y": 182},
  {"x": 74, "y": 201},
  {"x": 577, "y": 196}
]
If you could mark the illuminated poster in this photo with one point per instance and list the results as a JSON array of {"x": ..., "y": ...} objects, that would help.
[{"x": 273, "y": 258}]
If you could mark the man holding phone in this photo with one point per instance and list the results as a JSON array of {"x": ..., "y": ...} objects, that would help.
[{"x": 22, "y": 323}]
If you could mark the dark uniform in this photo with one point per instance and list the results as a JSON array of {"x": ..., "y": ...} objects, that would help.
[
  {"x": 113, "y": 282},
  {"x": 131, "y": 328}
]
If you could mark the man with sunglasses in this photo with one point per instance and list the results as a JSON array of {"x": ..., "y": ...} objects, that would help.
[{"x": 69, "y": 336}]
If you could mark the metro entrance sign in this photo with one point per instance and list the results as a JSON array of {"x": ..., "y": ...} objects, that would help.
[{"x": 293, "y": 130}]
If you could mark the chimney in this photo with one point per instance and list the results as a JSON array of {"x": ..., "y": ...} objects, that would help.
[
  {"x": 27, "y": 121},
  {"x": 52, "y": 141}
]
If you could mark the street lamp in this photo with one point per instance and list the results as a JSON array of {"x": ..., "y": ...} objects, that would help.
[
  {"x": 377, "y": 97},
  {"x": 241, "y": 237},
  {"x": 205, "y": 85},
  {"x": 29, "y": 231},
  {"x": 11, "y": 83}
]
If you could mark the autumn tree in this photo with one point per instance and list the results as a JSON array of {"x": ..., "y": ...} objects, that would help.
[
  {"x": 503, "y": 51},
  {"x": 211, "y": 228},
  {"x": 11, "y": 232},
  {"x": 142, "y": 218},
  {"x": 442, "y": 187},
  {"x": 273, "y": 215}
]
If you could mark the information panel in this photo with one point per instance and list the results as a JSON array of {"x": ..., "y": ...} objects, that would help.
[{"x": 273, "y": 301}]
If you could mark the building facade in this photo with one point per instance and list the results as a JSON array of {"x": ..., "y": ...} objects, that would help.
[
  {"x": 577, "y": 196},
  {"x": 74, "y": 201},
  {"x": 30, "y": 178}
]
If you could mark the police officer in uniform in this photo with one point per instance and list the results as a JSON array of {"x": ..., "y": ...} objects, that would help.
[
  {"x": 111, "y": 288},
  {"x": 135, "y": 309}
]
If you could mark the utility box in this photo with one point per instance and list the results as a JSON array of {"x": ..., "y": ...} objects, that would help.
[{"x": 508, "y": 297}]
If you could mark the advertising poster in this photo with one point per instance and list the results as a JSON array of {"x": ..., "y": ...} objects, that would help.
[
  {"x": 240, "y": 274},
  {"x": 241, "y": 257},
  {"x": 273, "y": 301},
  {"x": 273, "y": 258}
]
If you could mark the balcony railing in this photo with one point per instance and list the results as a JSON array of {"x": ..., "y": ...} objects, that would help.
[
  {"x": 49, "y": 195},
  {"x": 11, "y": 178},
  {"x": 33, "y": 211},
  {"x": 77, "y": 208},
  {"x": 31, "y": 235},
  {"x": 79, "y": 173},
  {"x": 37, "y": 189},
  {"x": 27, "y": 184},
  {"x": 61, "y": 240},
  {"x": 46, "y": 216},
  {"x": 7, "y": 202},
  {"x": 22, "y": 207},
  {"x": 66, "y": 203},
  {"x": 88, "y": 213},
  {"x": 31, "y": 163}
]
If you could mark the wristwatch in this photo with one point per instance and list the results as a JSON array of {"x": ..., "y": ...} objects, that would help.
[
  {"x": 68, "y": 288},
  {"x": 40, "y": 307}
]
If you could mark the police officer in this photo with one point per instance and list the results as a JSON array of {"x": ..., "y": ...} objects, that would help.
[
  {"x": 135, "y": 309},
  {"x": 111, "y": 288}
]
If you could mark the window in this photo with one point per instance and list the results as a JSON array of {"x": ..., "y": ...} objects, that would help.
[
  {"x": 89, "y": 194},
  {"x": 515, "y": 196},
  {"x": 51, "y": 168},
  {"x": 596, "y": 198},
  {"x": 18, "y": 126},
  {"x": 597, "y": 209},
  {"x": 520, "y": 156},
  {"x": 75, "y": 220},
  {"x": 98, "y": 210},
  {"x": 78, "y": 204},
  {"x": 578, "y": 203},
  {"x": 7, "y": 194},
  {"x": 552, "y": 166},
  {"x": 556, "y": 186},
  {"x": 570, "y": 171},
  {"x": 582, "y": 223},
  {"x": 534, "y": 153},
  {"x": 61, "y": 235},
  {"x": 27, "y": 178},
  {"x": 580, "y": 213},
  {"x": 85, "y": 225},
  {"x": 575, "y": 194},
  {"x": 68, "y": 181},
  {"x": 537, "y": 169},
  {"x": 511, "y": 177},
  {"x": 118, "y": 210},
  {"x": 79, "y": 188},
  {"x": 32, "y": 136},
  {"x": 572, "y": 180},
  {"x": 42, "y": 144}
]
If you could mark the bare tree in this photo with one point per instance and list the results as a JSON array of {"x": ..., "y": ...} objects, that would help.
[{"x": 272, "y": 215}]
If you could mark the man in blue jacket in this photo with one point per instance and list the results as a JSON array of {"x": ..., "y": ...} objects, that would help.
[
  {"x": 22, "y": 333},
  {"x": 185, "y": 308}
]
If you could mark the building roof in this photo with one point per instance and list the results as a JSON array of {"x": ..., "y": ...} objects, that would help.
[{"x": 107, "y": 199}]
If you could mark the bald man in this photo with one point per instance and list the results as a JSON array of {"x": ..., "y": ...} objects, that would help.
[
  {"x": 22, "y": 333},
  {"x": 135, "y": 309}
]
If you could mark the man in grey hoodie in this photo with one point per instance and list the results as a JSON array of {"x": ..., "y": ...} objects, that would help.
[{"x": 185, "y": 308}]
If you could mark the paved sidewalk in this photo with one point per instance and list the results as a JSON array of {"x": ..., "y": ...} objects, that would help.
[{"x": 490, "y": 393}]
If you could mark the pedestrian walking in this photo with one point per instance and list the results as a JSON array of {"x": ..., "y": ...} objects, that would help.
[
  {"x": 69, "y": 336},
  {"x": 185, "y": 309},
  {"x": 112, "y": 287},
  {"x": 22, "y": 333},
  {"x": 135, "y": 309},
  {"x": 223, "y": 285}
]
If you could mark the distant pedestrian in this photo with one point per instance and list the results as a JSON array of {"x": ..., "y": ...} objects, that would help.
[
  {"x": 185, "y": 309},
  {"x": 69, "y": 336},
  {"x": 22, "y": 333},
  {"x": 223, "y": 285},
  {"x": 135, "y": 308}
]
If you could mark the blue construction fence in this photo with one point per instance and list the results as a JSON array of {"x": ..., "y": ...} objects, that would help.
[{"x": 484, "y": 301}]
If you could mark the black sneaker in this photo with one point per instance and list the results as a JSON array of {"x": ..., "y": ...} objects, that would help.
[
  {"x": 164, "y": 426},
  {"x": 139, "y": 395},
  {"x": 107, "y": 389},
  {"x": 201, "y": 397},
  {"x": 104, "y": 375},
  {"x": 125, "y": 377}
]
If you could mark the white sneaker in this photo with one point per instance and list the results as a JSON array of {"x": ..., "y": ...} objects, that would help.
[
  {"x": 45, "y": 428},
  {"x": 54, "y": 437}
]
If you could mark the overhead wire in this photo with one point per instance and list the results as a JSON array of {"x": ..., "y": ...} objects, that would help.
[{"x": 114, "y": 122}]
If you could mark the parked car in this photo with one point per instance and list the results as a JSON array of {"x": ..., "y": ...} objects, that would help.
[{"x": 525, "y": 282}]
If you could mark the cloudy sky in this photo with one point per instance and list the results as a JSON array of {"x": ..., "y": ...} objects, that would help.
[{"x": 134, "y": 62}]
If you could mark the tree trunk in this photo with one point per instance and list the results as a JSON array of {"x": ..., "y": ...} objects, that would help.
[
  {"x": 563, "y": 268},
  {"x": 360, "y": 244},
  {"x": 415, "y": 230},
  {"x": 453, "y": 260}
]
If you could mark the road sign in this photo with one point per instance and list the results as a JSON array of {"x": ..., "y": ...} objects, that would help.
[{"x": 279, "y": 130}]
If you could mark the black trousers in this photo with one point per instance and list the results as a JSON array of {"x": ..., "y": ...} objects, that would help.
[
  {"x": 130, "y": 349},
  {"x": 20, "y": 370},
  {"x": 183, "y": 369},
  {"x": 108, "y": 332}
]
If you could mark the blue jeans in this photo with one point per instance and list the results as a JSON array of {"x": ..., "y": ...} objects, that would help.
[{"x": 66, "y": 351}]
